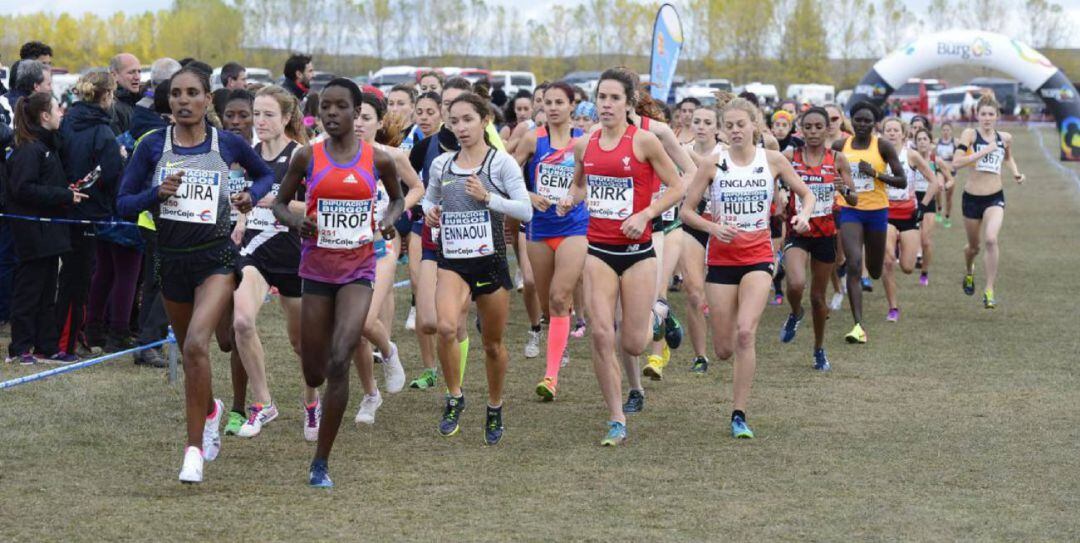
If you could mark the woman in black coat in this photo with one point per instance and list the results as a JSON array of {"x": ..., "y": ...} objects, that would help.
[{"x": 36, "y": 186}]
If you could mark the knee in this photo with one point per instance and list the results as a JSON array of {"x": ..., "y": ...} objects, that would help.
[
  {"x": 196, "y": 350},
  {"x": 853, "y": 265},
  {"x": 635, "y": 344},
  {"x": 447, "y": 330},
  {"x": 796, "y": 285},
  {"x": 493, "y": 350},
  {"x": 337, "y": 370},
  {"x": 244, "y": 326},
  {"x": 907, "y": 268},
  {"x": 817, "y": 300},
  {"x": 991, "y": 243},
  {"x": 696, "y": 300},
  {"x": 723, "y": 351},
  {"x": 972, "y": 249},
  {"x": 603, "y": 336},
  {"x": 559, "y": 303},
  {"x": 745, "y": 337}
]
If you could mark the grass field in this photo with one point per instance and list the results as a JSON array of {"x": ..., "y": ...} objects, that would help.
[{"x": 955, "y": 423}]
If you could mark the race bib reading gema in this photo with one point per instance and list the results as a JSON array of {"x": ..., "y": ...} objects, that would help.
[{"x": 553, "y": 181}]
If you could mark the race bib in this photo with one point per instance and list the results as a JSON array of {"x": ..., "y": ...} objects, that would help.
[
  {"x": 897, "y": 194},
  {"x": 991, "y": 163},
  {"x": 744, "y": 205},
  {"x": 553, "y": 180},
  {"x": 382, "y": 201},
  {"x": 466, "y": 234},
  {"x": 262, "y": 218},
  {"x": 863, "y": 182},
  {"x": 236, "y": 184},
  {"x": 921, "y": 183},
  {"x": 669, "y": 214},
  {"x": 344, "y": 224},
  {"x": 824, "y": 194},
  {"x": 610, "y": 197},
  {"x": 196, "y": 201}
]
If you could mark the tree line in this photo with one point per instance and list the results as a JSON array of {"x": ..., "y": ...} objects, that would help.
[{"x": 780, "y": 41}]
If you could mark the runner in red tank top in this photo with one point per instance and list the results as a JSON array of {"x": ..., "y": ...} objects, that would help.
[
  {"x": 338, "y": 262},
  {"x": 614, "y": 171},
  {"x": 741, "y": 184},
  {"x": 827, "y": 173}
]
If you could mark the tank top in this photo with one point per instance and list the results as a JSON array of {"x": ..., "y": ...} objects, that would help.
[
  {"x": 550, "y": 173},
  {"x": 946, "y": 149},
  {"x": 821, "y": 180},
  {"x": 197, "y": 216},
  {"x": 742, "y": 197},
  {"x": 871, "y": 191},
  {"x": 920, "y": 184},
  {"x": 990, "y": 163},
  {"x": 902, "y": 200},
  {"x": 471, "y": 235},
  {"x": 619, "y": 185},
  {"x": 272, "y": 244},
  {"x": 413, "y": 135},
  {"x": 341, "y": 199},
  {"x": 703, "y": 206}
]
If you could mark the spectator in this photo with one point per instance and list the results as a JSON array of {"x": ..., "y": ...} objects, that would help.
[
  {"x": 36, "y": 186},
  {"x": 32, "y": 76},
  {"x": 126, "y": 69},
  {"x": 298, "y": 73},
  {"x": 144, "y": 118},
  {"x": 31, "y": 50},
  {"x": 233, "y": 76}
]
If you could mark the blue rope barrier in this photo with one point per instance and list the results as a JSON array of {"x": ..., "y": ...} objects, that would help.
[
  {"x": 84, "y": 364},
  {"x": 65, "y": 221}
]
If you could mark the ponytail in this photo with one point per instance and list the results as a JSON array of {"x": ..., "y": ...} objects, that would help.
[{"x": 28, "y": 112}]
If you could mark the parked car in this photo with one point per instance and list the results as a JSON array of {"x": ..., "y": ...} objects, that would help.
[
  {"x": 585, "y": 80},
  {"x": 320, "y": 79},
  {"x": 254, "y": 75},
  {"x": 386, "y": 77},
  {"x": 715, "y": 84},
  {"x": 817, "y": 95},
  {"x": 957, "y": 103},
  {"x": 512, "y": 82},
  {"x": 475, "y": 74},
  {"x": 766, "y": 92},
  {"x": 1005, "y": 90}
]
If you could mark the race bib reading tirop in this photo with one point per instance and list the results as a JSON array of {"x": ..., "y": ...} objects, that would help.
[
  {"x": 344, "y": 224},
  {"x": 196, "y": 201},
  {"x": 863, "y": 182},
  {"x": 824, "y": 196},
  {"x": 553, "y": 181},
  {"x": 466, "y": 234},
  {"x": 610, "y": 197},
  {"x": 262, "y": 218}
]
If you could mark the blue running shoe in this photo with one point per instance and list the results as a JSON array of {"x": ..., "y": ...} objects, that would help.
[
  {"x": 493, "y": 429},
  {"x": 969, "y": 284},
  {"x": 635, "y": 402},
  {"x": 448, "y": 426},
  {"x": 673, "y": 332},
  {"x": 821, "y": 362},
  {"x": 616, "y": 434},
  {"x": 740, "y": 430},
  {"x": 319, "y": 476},
  {"x": 700, "y": 365},
  {"x": 791, "y": 325},
  {"x": 657, "y": 327},
  {"x": 867, "y": 285}
]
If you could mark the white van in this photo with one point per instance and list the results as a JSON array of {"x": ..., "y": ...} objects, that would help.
[
  {"x": 512, "y": 82},
  {"x": 388, "y": 76},
  {"x": 818, "y": 95},
  {"x": 766, "y": 92}
]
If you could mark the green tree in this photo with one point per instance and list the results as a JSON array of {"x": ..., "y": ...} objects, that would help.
[{"x": 805, "y": 48}]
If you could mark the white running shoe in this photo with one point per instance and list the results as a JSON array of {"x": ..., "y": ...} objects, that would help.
[
  {"x": 211, "y": 434},
  {"x": 836, "y": 302},
  {"x": 257, "y": 418},
  {"x": 368, "y": 406},
  {"x": 519, "y": 281},
  {"x": 565, "y": 358},
  {"x": 393, "y": 372},
  {"x": 312, "y": 416},
  {"x": 191, "y": 471},
  {"x": 532, "y": 346},
  {"x": 410, "y": 321}
]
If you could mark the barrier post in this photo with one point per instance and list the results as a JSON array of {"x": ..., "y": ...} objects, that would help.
[{"x": 173, "y": 354}]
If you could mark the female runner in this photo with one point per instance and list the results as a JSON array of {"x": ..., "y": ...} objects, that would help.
[
  {"x": 928, "y": 212},
  {"x": 180, "y": 174},
  {"x": 618, "y": 166},
  {"x": 428, "y": 118},
  {"x": 471, "y": 192},
  {"x": 983, "y": 201},
  {"x": 946, "y": 149},
  {"x": 741, "y": 183},
  {"x": 400, "y": 106},
  {"x": 337, "y": 261}
]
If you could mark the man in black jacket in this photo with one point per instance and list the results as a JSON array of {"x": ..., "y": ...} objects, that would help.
[
  {"x": 126, "y": 69},
  {"x": 298, "y": 73}
]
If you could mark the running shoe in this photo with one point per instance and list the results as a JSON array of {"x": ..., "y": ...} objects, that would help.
[
  {"x": 867, "y": 285},
  {"x": 665, "y": 354},
  {"x": 62, "y": 358},
  {"x": 547, "y": 389},
  {"x": 938, "y": 219},
  {"x": 493, "y": 428},
  {"x": 368, "y": 406},
  {"x": 836, "y": 302},
  {"x": 918, "y": 262},
  {"x": 676, "y": 283},
  {"x": 319, "y": 474},
  {"x": 657, "y": 327},
  {"x": 740, "y": 430},
  {"x": 778, "y": 299},
  {"x": 616, "y": 434},
  {"x": 393, "y": 373},
  {"x": 192, "y": 468},
  {"x": 312, "y": 416},
  {"x": 234, "y": 423},
  {"x": 532, "y": 345},
  {"x": 519, "y": 281},
  {"x": 654, "y": 369},
  {"x": 258, "y": 416},
  {"x": 565, "y": 358},
  {"x": 988, "y": 299},
  {"x": 924, "y": 279},
  {"x": 791, "y": 326},
  {"x": 947, "y": 222},
  {"x": 211, "y": 436},
  {"x": 426, "y": 380},
  {"x": 635, "y": 402},
  {"x": 969, "y": 284},
  {"x": 700, "y": 365},
  {"x": 579, "y": 329},
  {"x": 821, "y": 362},
  {"x": 410, "y": 321},
  {"x": 856, "y": 335},
  {"x": 448, "y": 426},
  {"x": 25, "y": 359},
  {"x": 894, "y": 315},
  {"x": 673, "y": 332}
]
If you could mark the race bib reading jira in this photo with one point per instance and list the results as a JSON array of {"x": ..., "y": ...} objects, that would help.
[
  {"x": 610, "y": 197},
  {"x": 344, "y": 224},
  {"x": 196, "y": 200},
  {"x": 553, "y": 181},
  {"x": 466, "y": 234}
]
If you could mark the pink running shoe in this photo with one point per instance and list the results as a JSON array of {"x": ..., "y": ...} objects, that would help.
[
  {"x": 894, "y": 315},
  {"x": 924, "y": 280}
]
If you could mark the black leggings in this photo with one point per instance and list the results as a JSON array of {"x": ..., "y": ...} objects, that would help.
[{"x": 33, "y": 307}]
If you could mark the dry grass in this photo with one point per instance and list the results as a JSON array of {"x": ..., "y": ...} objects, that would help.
[{"x": 956, "y": 423}]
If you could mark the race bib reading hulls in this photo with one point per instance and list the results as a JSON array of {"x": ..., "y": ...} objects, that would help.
[
  {"x": 344, "y": 224},
  {"x": 824, "y": 195},
  {"x": 553, "y": 181},
  {"x": 196, "y": 200},
  {"x": 610, "y": 197},
  {"x": 466, "y": 234},
  {"x": 235, "y": 185},
  {"x": 262, "y": 218},
  {"x": 742, "y": 203}
]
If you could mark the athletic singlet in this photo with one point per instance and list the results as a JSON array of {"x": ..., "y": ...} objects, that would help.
[
  {"x": 549, "y": 173},
  {"x": 919, "y": 182},
  {"x": 273, "y": 245},
  {"x": 703, "y": 205},
  {"x": 741, "y": 197},
  {"x": 198, "y": 214},
  {"x": 413, "y": 135},
  {"x": 821, "y": 180},
  {"x": 946, "y": 149},
  {"x": 670, "y": 214},
  {"x": 872, "y": 195},
  {"x": 341, "y": 199},
  {"x": 990, "y": 163},
  {"x": 619, "y": 185},
  {"x": 902, "y": 203},
  {"x": 471, "y": 235}
]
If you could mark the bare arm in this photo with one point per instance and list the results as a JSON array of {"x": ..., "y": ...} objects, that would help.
[
  {"x": 919, "y": 163},
  {"x": 844, "y": 169},
  {"x": 964, "y": 156},
  {"x": 706, "y": 170},
  {"x": 1010, "y": 161},
  {"x": 781, "y": 165},
  {"x": 892, "y": 158},
  {"x": 388, "y": 172},
  {"x": 289, "y": 185}
]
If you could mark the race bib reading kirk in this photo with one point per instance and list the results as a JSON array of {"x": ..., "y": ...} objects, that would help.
[
  {"x": 196, "y": 201},
  {"x": 610, "y": 197},
  {"x": 466, "y": 234},
  {"x": 344, "y": 224}
]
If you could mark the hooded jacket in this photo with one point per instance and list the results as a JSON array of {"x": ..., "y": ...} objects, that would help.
[
  {"x": 36, "y": 186},
  {"x": 122, "y": 108},
  {"x": 87, "y": 141}
]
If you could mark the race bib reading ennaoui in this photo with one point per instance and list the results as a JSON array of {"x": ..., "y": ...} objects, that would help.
[
  {"x": 344, "y": 224},
  {"x": 466, "y": 234},
  {"x": 196, "y": 200},
  {"x": 610, "y": 197}
]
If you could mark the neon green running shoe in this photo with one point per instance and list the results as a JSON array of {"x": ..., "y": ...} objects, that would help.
[
  {"x": 236, "y": 421},
  {"x": 988, "y": 299},
  {"x": 426, "y": 380}
]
